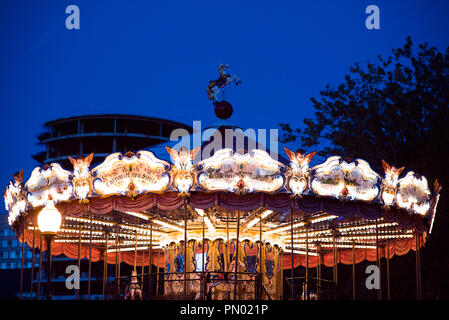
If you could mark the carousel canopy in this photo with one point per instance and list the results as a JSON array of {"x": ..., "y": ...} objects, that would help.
[{"x": 125, "y": 198}]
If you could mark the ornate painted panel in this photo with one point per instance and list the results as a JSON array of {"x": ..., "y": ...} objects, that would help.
[
  {"x": 252, "y": 172},
  {"x": 340, "y": 179},
  {"x": 413, "y": 193},
  {"x": 15, "y": 197},
  {"x": 49, "y": 182},
  {"x": 131, "y": 175}
]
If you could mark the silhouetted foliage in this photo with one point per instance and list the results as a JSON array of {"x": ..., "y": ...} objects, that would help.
[{"x": 396, "y": 109}]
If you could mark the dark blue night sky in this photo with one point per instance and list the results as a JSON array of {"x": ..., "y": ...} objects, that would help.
[{"x": 154, "y": 59}]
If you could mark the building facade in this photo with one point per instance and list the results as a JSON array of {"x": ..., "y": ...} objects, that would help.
[
  {"x": 11, "y": 262},
  {"x": 101, "y": 135}
]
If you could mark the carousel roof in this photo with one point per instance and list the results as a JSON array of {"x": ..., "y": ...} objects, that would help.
[{"x": 206, "y": 138}]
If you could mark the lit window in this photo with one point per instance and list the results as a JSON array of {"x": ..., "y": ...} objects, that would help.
[
  {"x": 4, "y": 243},
  {"x": 14, "y": 243},
  {"x": 13, "y": 254},
  {"x": 13, "y": 265},
  {"x": 3, "y": 265},
  {"x": 5, "y": 254}
]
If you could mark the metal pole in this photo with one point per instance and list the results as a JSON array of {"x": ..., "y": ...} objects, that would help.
[
  {"x": 49, "y": 238},
  {"x": 293, "y": 292},
  {"x": 79, "y": 260},
  {"x": 185, "y": 249},
  {"x": 116, "y": 260},
  {"x": 388, "y": 270},
  {"x": 204, "y": 284},
  {"x": 90, "y": 259},
  {"x": 38, "y": 293},
  {"x": 157, "y": 279},
  {"x": 353, "y": 270},
  {"x": 32, "y": 267},
  {"x": 419, "y": 265},
  {"x": 21, "y": 268},
  {"x": 335, "y": 278},
  {"x": 135, "y": 252},
  {"x": 118, "y": 272},
  {"x": 306, "y": 288},
  {"x": 260, "y": 259},
  {"x": 237, "y": 255},
  {"x": 227, "y": 242},
  {"x": 379, "y": 291},
  {"x": 142, "y": 270},
  {"x": 318, "y": 271},
  {"x": 150, "y": 265},
  {"x": 418, "y": 269},
  {"x": 105, "y": 267}
]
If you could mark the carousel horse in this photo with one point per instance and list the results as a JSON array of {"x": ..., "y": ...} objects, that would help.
[
  {"x": 231, "y": 272},
  {"x": 215, "y": 86},
  {"x": 133, "y": 288}
]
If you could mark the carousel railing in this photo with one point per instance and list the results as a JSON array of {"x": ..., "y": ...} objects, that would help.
[
  {"x": 317, "y": 288},
  {"x": 141, "y": 282}
]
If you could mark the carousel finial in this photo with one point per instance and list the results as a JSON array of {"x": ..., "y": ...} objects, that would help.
[{"x": 223, "y": 109}]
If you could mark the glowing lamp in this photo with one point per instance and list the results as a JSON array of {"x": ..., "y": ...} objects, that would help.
[{"x": 49, "y": 219}]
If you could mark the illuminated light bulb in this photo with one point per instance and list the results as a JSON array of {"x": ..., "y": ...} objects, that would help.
[{"x": 49, "y": 219}]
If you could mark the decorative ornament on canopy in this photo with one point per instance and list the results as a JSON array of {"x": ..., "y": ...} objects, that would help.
[
  {"x": 410, "y": 193},
  {"x": 413, "y": 193},
  {"x": 131, "y": 174},
  {"x": 49, "y": 182},
  {"x": 390, "y": 183},
  {"x": 240, "y": 173},
  {"x": 345, "y": 181},
  {"x": 15, "y": 197},
  {"x": 223, "y": 109},
  {"x": 82, "y": 179},
  {"x": 182, "y": 171},
  {"x": 299, "y": 171}
]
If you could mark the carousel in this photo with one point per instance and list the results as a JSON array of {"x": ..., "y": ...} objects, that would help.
[{"x": 233, "y": 225}]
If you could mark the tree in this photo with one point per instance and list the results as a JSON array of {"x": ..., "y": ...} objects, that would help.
[{"x": 396, "y": 109}]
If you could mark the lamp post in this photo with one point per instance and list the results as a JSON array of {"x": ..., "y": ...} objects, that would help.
[{"x": 49, "y": 222}]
